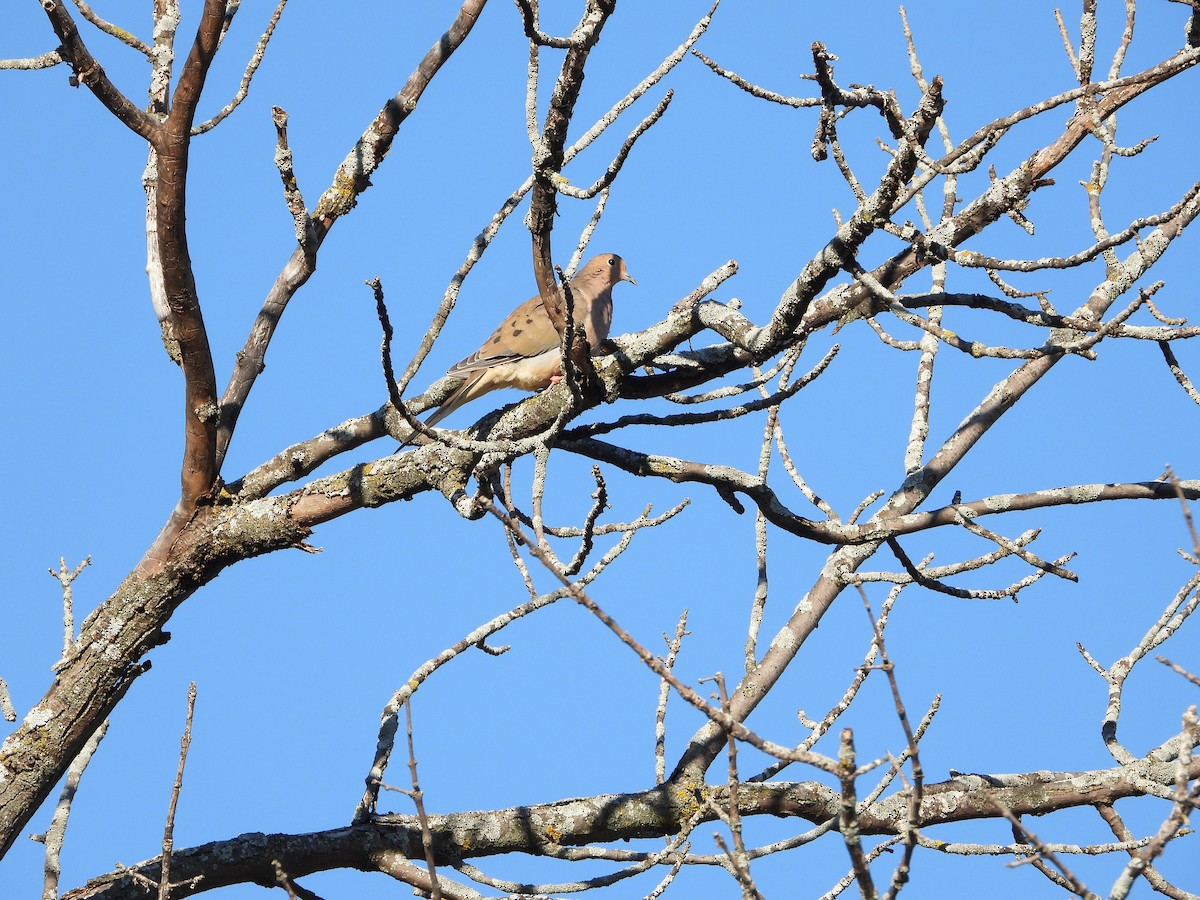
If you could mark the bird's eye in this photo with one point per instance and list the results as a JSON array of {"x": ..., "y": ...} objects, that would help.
[{"x": 612, "y": 260}]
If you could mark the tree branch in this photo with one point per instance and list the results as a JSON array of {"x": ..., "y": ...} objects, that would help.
[
  {"x": 91, "y": 74},
  {"x": 657, "y": 812}
]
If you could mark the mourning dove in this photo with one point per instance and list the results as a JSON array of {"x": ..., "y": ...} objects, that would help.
[{"x": 524, "y": 351}]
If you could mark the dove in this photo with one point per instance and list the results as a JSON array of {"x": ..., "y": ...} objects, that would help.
[{"x": 523, "y": 352}]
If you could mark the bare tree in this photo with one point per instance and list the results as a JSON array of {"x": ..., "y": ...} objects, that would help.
[{"x": 893, "y": 271}]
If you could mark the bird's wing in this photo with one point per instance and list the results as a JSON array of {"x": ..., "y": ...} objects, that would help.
[{"x": 525, "y": 332}]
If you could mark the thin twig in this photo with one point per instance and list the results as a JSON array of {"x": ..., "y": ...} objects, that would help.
[
  {"x": 54, "y": 835},
  {"x": 848, "y": 816},
  {"x": 717, "y": 716},
  {"x": 912, "y": 824},
  {"x": 44, "y": 61},
  {"x": 294, "y": 890},
  {"x": 306, "y": 236},
  {"x": 243, "y": 90},
  {"x": 64, "y": 577},
  {"x": 664, "y": 693},
  {"x": 419, "y": 802},
  {"x": 1066, "y": 879},
  {"x": 115, "y": 31},
  {"x": 168, "y": 841}
]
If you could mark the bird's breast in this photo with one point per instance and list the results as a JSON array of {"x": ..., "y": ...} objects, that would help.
[{"x": 531, "y": 373}]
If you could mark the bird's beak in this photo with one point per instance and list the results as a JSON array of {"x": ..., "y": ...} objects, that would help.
[{"x": 627, "y": 277}]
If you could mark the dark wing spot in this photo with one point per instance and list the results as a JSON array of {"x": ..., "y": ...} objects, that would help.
[
  {"x": 517, "y": 331},
  {"x": 496, "y": 338}
]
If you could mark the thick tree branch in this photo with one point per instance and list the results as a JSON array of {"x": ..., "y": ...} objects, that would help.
[
  {"x": 113, "y": 640},
  {"x": 172, "y": 143},
  {"x": 544, "y": 828}
]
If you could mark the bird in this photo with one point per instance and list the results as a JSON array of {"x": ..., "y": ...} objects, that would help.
[{"x": 523, "y": 351}]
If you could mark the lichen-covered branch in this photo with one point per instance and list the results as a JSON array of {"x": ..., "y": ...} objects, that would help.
[{"x": 542, "y": 828}]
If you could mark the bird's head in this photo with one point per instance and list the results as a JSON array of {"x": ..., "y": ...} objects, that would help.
[{"x": 607, "y": 268}]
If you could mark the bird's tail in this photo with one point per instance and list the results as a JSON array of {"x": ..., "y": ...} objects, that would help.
[{"x": 462, "y": 395}]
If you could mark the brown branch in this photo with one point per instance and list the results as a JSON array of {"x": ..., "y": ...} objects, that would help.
[
  {"x": 91, "y": 74},
  {"x": 529, "y": 17},
  {"x": 766, "y": 401},
  {"x": 940, "y": 587},
  {"x": 294, "y": 890},
  {"x": 548, "y": 158},
  {"x": 190, "y": 85},
  {"x": 199, "y": 469}
]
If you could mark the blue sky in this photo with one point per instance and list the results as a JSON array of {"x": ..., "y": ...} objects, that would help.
[{"x": 294, "y": 655}]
